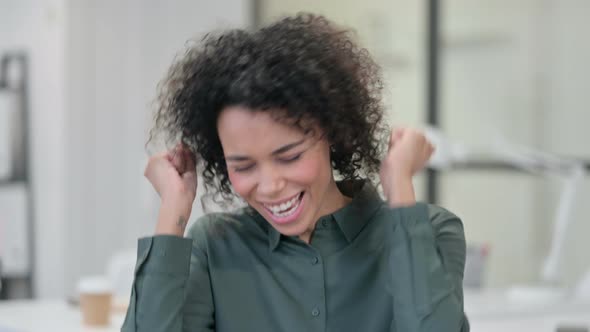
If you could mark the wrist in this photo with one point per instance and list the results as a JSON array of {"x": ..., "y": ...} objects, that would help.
[
  {"x": 173, "y": 217},
  {"x": 182, "y": 203},
  {"x": 402, "y": 191}
]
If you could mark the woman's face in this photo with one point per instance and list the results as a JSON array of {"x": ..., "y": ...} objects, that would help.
[{"x": 283, "y": 173}]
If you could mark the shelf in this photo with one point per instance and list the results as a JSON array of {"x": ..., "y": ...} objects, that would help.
[
  {"x": 10, "y": 182},
  {"x": 493, "y": 165}
]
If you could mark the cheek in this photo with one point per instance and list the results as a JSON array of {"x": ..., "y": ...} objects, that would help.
[
  {"x": 312, "y": 171},
  {"x": 242, "y": 184}
]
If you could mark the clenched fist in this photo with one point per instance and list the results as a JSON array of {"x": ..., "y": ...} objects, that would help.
[
  {"x": 173, "y": 176},
  {"x": 408, "y": 153}
]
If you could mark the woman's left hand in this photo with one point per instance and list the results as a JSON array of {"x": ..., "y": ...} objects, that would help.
[{"x": 409, "y": 151}]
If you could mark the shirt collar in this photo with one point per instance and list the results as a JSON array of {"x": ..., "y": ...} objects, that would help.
[
  {"x": 351, "y": 219},
  {"x": 274, "y": 237}
]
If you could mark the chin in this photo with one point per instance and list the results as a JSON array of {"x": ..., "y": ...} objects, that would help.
[{"x": 294, "y": 228}]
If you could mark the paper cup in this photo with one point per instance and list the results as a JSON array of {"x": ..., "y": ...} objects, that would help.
[{"x": 95, "y": 300}]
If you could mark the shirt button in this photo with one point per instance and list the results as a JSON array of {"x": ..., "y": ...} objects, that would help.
[
  {"x": 314, "y": 261},
  {"x": 315, "y": 312},
  {"x": 325, "y": 223}
]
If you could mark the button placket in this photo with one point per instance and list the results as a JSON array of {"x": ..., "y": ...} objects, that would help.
[
  {"x": 317, "y": 303},
  {"x": 315, "y": 312}
]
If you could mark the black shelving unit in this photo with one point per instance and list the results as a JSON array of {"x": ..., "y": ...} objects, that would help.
[
  {"x": 432, "y": 86},
  {"x": 21, "y": 170}
]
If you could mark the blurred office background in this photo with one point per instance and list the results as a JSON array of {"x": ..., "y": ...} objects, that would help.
[{"x": 506, "y": 83}]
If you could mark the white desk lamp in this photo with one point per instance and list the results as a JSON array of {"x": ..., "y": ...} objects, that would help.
[{"x": 570, "y": 171}]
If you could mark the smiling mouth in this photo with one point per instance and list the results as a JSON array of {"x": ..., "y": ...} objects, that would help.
[{"x": 285, "y": 209}]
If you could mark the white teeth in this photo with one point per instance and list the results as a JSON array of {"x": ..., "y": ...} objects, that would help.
[
  {"x": 288, "y": 212},
  {"x": 284, "y": 209}
]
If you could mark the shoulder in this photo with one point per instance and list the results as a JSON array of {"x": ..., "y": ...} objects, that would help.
[
  {"x": 444, "y": 220},
  {"x": 441, "y": 220},
  {"x": 223, "y": 225}
]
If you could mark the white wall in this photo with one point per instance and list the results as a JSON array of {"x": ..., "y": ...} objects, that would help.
[
  {"x": 94, "y": 70},
  {"x": 565, "y": 115},
  {"x": 117, "y": 52},
  {"x": 488, "y": 75},
  {"x": 527, "y": 82},
  {"x": 38, "y": 27}
]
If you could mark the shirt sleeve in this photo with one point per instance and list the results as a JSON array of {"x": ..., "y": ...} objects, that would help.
[
  {"x": 428, "y": 259},
  {"x": 172, "y": 289}
]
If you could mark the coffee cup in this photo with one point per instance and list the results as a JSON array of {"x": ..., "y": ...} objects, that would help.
[{"x": 95, "y": 300}]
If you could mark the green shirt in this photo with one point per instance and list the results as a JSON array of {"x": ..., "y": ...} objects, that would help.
[{"x": 368, "y": 267}]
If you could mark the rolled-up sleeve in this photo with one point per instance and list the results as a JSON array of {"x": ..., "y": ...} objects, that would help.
[
  {"x": 427, "y": 258},
  {"x": 171, "y": 290}
]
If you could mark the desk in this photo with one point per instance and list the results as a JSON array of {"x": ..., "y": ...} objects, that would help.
[
  {"x": 488, "y": 311},
  {"x": 540, "y": 323},
  {"x": 492, "y": 311},
  {"x": 48, "y": 316}
]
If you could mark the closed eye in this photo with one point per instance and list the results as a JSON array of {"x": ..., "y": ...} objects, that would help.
[
  {"x": 291, "y": 159},
  {"x": 244, "y": 168}
]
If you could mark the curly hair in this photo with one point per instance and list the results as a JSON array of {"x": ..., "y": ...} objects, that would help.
[{"x": 303, "y": 65}]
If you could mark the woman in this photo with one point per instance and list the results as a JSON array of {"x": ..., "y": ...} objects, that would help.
[{"x": 288, "y": 119}]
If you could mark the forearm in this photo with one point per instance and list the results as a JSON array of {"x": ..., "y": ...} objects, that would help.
[
  {"x": 427, "y": 280},
  {"x": 158, "y": 292}
]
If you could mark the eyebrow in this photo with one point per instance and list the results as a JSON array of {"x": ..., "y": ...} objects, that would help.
[{"x": 280, "y": 150}]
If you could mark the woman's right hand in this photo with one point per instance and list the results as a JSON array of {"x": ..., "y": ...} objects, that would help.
[{"x": 173, "y": 176}]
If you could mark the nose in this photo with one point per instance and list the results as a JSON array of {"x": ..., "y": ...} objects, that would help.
[{"x": 271, "y": 183}]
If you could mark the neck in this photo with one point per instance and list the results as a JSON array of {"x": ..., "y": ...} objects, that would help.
[{"x": 334, "y": 201}]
